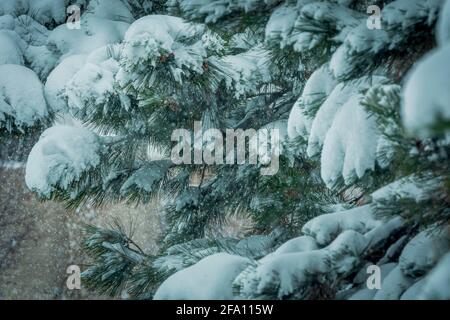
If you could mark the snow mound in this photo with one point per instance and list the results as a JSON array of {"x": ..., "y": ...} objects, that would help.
[
  {"x": 247, "y": 70},
  {"x": 280, "y": 25},
  {"x": 7, "y": 22},
  {"x": 58, "y": 79},
  {"x": 31, "y": 31},
  {"x": 317, "y": 88},
  {"x": 426, "y": 96},
  {"x": 44, "y": 11},
  {"x": 60, "y": 157},
  {"x": 325, "y": 115},
  {"x": 295, "y": 274},
  {"x": 41, "y": 60},
  {"x": 299, "y": 244},
  {"x": 212, "y": 11},
  {"x": 71, "y": 42},
  {"x": 92, "y": 85},
  {"x": 103, "y": 22},
  {"x": 409, "y": 187},
  {"x": 350, "y": 146},
  {"x": 337, "y": 98},
  {"x": 299, "y": 125},
  {"x": 209, "y": 279},
  {"x": 327, "y": 227},
  {"x": 316, "y": 15},
  {"x": 11, "y": 48},
  {"x": 404, "y": 14},
  {"x": 156, "y": 40},
  {"x": 437, "y": 284},
  {"x": 423, "y": 252},
  {"x": 399, "y": 20},
  {"x": 394, "y": 285},
  {"x": 283, "y": 274},
  {"x": 443, "y": 28},
  {"x": 415, "y": 291},
  {"x": 379, "y": 236},
  {"x": 115, "y": 10},
  {"x": 21, "y": 96}
]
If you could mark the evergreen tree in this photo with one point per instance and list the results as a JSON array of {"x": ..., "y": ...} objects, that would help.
[
  {"x": 364, "y": 170},
  {"x": 166, "y": 74}
]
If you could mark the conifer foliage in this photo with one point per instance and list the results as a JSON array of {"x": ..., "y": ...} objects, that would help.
[{"x": 364, "y": 121}]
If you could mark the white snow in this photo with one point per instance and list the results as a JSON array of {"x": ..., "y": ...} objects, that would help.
[
  {"x": 299, "y": 244},
  {"x": 280, "y": 25},
  {"x": 209, "y": 279},
  {"x": 423, "y": 252},
  {"x": 327, "y": 227},
  {"x": 60, "y": 157},
  {"x": 247, "y": 70},
  {"x": 319, "y": 85},
  {"x": 103, "y": 22},
  {"x": 350, "y": 146},
  {"x": 212, "y": 11},
  {"x": 298, "y": 123},
  {"x": 393, "y": 285},
  {"x": 443, "y": 27},
  {"x": 404, "y": 14},
  {"x": 91, "y": 85},
  {"x": 31, "y": 31},
  {"x": 415, "y": 291},
  {"x": 94, "y": 86},
  {"x": 399, "y": 20},
  {"x": 346, "y": 250},
  {"x": 21, "y": 96},
  {"x": 426, "y": 96},
  {"x": 314, "y": 16},
  {"x": 80, "y": 75},
  {"x": 41, "y": 60},
  {"x": 409, "y": 187},
  {"x": 57, "y": 80},
  {"x": 365, "y": 293},
  {"x": 437, "y": 283},
  {"x": 284, "y": 274},
  {"x": 325, "y": 116},
  {"x": 78, "y": 41},
  {"x": 7, "y": 22},
  {"x": 295, "y": 245},
  {"x": 115, "y": 10},
  {"x": 155, "y": 36},
  {"x": 11, "y": 48},
  {"x": 290, "y": 273},
  {"x": 44, "y": 11},
  {"x": 379, "y": 237}
]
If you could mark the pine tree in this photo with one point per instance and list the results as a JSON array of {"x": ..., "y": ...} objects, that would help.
[
  {"x": 357, "y": 130},
  {"x": 166, "y": 74},
  {"x": 363, "y": 176}
]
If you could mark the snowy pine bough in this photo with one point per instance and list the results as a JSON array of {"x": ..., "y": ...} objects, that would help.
[{"x": 364, "y": 117}]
